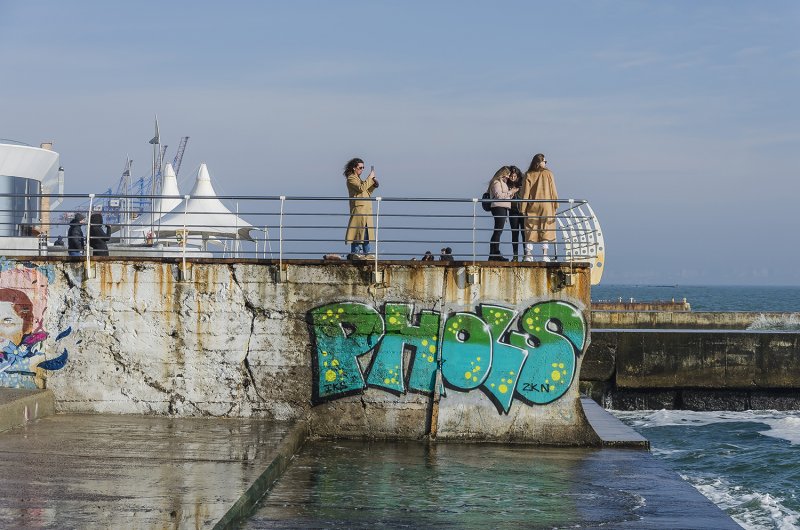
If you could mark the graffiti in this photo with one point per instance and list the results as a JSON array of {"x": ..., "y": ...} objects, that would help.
[
  {"x": 505, "y": 353},
  {"x": 23, "y": 304}
]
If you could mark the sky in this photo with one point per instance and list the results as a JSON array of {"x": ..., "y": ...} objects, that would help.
[{"x": 677, "y": 121}]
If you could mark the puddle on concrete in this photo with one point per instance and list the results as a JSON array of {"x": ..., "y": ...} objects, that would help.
[{"x": 351, "y": 484}]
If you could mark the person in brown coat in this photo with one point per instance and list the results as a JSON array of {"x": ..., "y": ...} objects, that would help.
[
  {"x": 361, "y": 225},
  {"x": 540, "y": 222}
]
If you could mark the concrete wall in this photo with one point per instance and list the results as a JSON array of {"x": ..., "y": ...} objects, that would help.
[
  {"x": 700, "y": 370},
  {"x": 423, "y": 352},
  {"x": 693, "y": 320}
]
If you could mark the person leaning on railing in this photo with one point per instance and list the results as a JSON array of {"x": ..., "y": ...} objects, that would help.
[
  {"x": 540, "y": 220},
  {"x": 98, "y": 235},
  {"x": 361, "y": 225},
  {"x": 75, "y": 240}
]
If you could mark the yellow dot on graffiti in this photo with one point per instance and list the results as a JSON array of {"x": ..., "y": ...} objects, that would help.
[
  {"x": 425, "y": 342},
  {"x": 561, "y": 365},
  {"x": 554, "y": 365},
  {"x": 341, "y": 372},
  {"x": 529, "y": 321},
  {"x": 511, "y": 372},
  {"x": 392, "y": 320},
  {"x": 536, "y": 309},
  {"x": 468, "y": 375},
  {"x": 430, "y": 358},
  {"x": 538, "y": 328},
  {"x": 335, "y": 362},
  {"x": 341, "y": 310},
  {"x": 477, "y": 358},
  {"x": 432, "y": 349},
  {"x": 477, "y": 369},
  {"x": 474, "y": 379},
  {"x": 564, "y": 372},
  {"x": 325, "y": 363},
  {"x": 434, "y": 339},
  {"x": 387, "y": 380},
  {"x": 503, "y": 389},
  {"x": 329, "y": 312},
  {"x": 324, "y": 353},
  {"x": 394, "y": 380},
  {"x": 330, "y": 376},
  {"x": 492, "y": 385},
  {"x": 555, "y": 375}
]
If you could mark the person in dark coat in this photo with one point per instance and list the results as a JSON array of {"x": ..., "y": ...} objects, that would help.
[
  {"x": 99, "y": 234},
  {"x": 75, "y": 241}
]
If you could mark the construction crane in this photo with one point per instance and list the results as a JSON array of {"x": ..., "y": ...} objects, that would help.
[{"x": 176, "y": 163}]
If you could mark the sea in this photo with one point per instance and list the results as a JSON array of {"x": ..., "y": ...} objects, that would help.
[{"x": 747, "y": 463}]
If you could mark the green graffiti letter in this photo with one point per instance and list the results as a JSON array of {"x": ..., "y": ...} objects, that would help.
[
  {"x": 343, "y": 332},
  {"x": 466, "y": 351},
  {"x": 387, "y": 367},
  {"x": 507, "y": 359},
  {"x": 560, "y": 330}
]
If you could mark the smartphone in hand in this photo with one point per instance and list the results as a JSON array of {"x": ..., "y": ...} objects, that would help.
[{"x": 371, "y": 169}]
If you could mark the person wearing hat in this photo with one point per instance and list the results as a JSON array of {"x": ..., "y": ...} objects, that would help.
[
  {"x": 75, "y": 240},
  {"x": 446, "y": 255}
]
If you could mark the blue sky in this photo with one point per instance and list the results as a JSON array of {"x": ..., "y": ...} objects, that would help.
[{"x": 677, "y": 120}]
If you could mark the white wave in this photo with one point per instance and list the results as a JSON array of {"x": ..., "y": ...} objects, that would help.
[
  {"x": 687, "y": 418},
  {"x": 787, "y": 428},
  {"x": 750, "y": 509},
  {"x": 782, "y": 323}
]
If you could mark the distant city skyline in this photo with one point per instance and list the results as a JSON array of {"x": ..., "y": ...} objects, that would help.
[{"x": 678, "y": 121}]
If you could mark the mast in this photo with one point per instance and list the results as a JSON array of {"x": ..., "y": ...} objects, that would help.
[{"x": 156, "y": 143}]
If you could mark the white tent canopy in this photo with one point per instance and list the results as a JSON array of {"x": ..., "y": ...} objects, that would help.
[
  {"x": 204, "y": 215},
  {"x": 170, "y": 198}
]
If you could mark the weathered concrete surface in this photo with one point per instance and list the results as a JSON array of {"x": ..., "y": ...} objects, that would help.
[
  {"x": 20, "y": 406},
  {"x": 92, "y": 471},
  {"x": 348, "y": 484},
  {"x": 693, "y": 320},
  {"x": 234, "y": 339},
  {"x": 611, "y": 431},
  {"x": 698, "y": 370}
]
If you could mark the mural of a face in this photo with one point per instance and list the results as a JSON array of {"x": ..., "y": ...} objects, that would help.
[{"x": 16, "y": 316}]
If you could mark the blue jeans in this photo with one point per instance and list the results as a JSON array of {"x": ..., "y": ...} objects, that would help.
[
  {"x": 74, "y": 252},
  {"x": 361, "y": 247}
]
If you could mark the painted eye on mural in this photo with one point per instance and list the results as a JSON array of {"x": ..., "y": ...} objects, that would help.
[{"x": 8, "y": 320}]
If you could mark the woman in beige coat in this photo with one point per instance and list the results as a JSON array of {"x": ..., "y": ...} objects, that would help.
[
  {"x": 360, "y": 226},
  {"x": 540, "y": 222}
]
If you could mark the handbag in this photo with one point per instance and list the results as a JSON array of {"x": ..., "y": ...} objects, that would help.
[{"x": 486, "y": 202}]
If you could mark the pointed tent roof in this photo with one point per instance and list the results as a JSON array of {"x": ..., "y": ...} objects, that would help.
[
  {"x": 170, "y": 198},
  {"x": 204, "y": 214}
]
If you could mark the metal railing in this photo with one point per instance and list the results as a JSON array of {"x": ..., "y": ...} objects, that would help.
[{"x": 282, "y": 227}]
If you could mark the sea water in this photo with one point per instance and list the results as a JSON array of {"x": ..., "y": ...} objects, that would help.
[
  {"x": 747, "y": 463},
  {"x": 708, "y": 298}
]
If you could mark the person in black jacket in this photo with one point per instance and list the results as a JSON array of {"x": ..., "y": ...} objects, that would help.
[
  {"x": 99, "y": 234},
  {"x": 75, "y": 241}
]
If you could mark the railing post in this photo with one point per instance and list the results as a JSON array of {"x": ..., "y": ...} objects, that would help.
[
  {"x": 281, "y": 275},
  {"x": 88, "y": 248},
  {"x": 474, "y": 227},
  {"x": 377, "y": 277},
  {"x": 185, "y": 236}
]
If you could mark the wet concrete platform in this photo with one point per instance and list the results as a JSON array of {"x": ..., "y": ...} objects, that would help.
[
  {"x": 612, "y": 432},
  {"x": 20, "y": 406},
  {"x": 349, "y": 484},
  {"x": 104, "y": 471}
]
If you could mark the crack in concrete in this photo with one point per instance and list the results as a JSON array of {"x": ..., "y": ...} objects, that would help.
[{"x": 254, "y": 311}]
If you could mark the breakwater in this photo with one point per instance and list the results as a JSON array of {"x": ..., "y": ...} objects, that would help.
[
  {"x": 693, "y": 369},
  {"x": 402, "y": 350}
]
